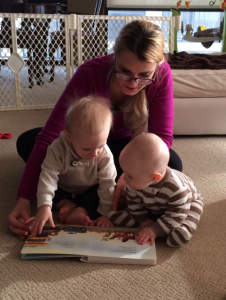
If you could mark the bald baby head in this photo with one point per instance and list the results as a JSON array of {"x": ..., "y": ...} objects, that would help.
[{"x": 146, "y": 154}]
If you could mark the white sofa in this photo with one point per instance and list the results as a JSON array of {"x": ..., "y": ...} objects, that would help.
[{"x": 199, "y": 102}]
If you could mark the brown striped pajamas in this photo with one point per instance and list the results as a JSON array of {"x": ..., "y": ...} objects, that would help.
[{"x": 174, "y": 202}]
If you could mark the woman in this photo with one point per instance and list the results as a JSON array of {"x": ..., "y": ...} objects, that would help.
[{"x": 138, "y": 83}]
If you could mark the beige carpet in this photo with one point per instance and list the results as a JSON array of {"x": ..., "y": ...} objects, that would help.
[{"x": 197, "y": 271}]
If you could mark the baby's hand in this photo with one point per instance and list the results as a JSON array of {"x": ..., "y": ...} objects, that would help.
[
  {"x": 146, "y": 234},
  {"x": 44, "y": 214},
  {"x": 103, "y": 222},
  {"x": 146, "y": 223}
]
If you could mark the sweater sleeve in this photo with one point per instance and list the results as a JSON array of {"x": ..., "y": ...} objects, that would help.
[
  {"x": 160, "y": 100},
  {"x": 79, "y": 86},
  {"x": 135, "y": 205},
  {"x": 106, "y": 179},
  {"x": 47, "y": 185}
]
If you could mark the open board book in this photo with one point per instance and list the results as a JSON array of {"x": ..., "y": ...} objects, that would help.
[{"x": 91, "y": 244}]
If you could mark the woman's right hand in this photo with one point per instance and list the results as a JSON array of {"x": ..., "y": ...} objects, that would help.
[{"x": 17, "y": 218}]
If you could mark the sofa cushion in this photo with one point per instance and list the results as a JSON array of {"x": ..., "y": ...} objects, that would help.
[
  {"x": 199, "y": 83},
  {"x": 199, "y": 116}
]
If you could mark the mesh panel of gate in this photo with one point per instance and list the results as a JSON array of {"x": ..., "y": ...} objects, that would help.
[
  {"x": 40, "y": 53},
  {"x": 40, "y": 41},
  {"x": 96, "y": 35}
]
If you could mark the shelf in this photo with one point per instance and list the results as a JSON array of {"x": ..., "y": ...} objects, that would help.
[
  {"x": 46, "y": 4},
  {"x": 200, "y": 39}
]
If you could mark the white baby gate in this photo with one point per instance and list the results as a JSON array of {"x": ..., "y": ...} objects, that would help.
[{"x": 40, "y": 53}]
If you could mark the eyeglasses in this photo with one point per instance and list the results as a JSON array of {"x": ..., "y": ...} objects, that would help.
[{"x": 138, "y": 80}]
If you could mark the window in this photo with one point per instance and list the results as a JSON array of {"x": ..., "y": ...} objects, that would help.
[{"x": 195, "y": 18}]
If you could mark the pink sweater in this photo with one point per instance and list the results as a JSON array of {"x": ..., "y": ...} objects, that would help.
[{"x": 91, "y": 78}]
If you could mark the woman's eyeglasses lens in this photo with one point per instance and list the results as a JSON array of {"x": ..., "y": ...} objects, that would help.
[{"x": 128, "y": 78}]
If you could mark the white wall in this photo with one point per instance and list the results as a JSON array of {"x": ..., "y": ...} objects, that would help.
[{"x": 159, "y": 3}]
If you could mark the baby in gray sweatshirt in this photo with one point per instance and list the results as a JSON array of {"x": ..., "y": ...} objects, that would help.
[{"x": 76, "y": 161}]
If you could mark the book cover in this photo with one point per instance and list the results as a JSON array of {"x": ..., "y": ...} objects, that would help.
[{"x": 91, "y": 244}]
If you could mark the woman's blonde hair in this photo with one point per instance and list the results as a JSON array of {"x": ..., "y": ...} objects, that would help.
[
  {"x": 91, "y": 114},
  {"x": 146, "y": 41}
]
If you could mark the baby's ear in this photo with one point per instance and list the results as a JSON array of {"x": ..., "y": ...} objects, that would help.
[
  {"x": 156, "y": 177},
  {"x": 68, "y": 135}
]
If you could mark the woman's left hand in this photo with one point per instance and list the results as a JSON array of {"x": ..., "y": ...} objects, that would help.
[{"x": 18, "y": 217}]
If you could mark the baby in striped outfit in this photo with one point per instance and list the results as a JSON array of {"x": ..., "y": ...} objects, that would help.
[{"x": 160, "y": 200}]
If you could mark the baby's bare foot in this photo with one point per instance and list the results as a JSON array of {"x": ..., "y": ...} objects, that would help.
[
  {"x": 84, "y": 220},
  {"x": 79, "y": 218},
  {"x": 65, "y": 211}
]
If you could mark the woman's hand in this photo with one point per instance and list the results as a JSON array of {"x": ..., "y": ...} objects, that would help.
[
  {"x": 119, "y": 199},
  {"x": 17, "y": 218}
]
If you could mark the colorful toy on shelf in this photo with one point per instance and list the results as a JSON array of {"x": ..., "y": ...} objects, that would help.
[
  {"x": 223, "y": 5},
  {"x": 206, "y": 33},
  {"x": 201, "y": 28},
  {"x": 188, "y": 29},
  {"x": 187, "y": 4},
  {"x": 179, "y": 3}
]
